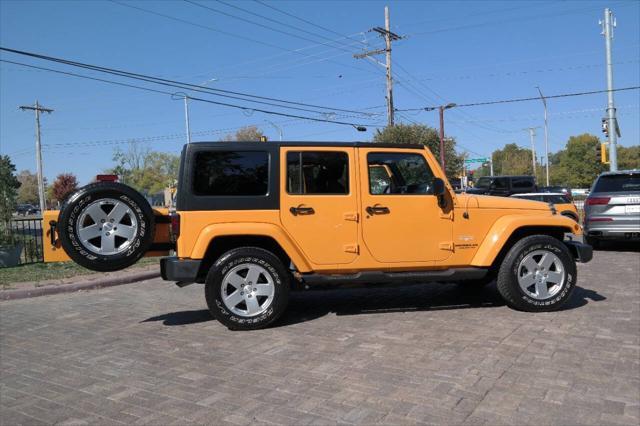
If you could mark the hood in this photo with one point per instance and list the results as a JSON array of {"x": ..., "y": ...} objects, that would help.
[{"x": 490, "y": 202}]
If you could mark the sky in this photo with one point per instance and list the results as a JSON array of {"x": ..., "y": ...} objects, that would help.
[{"x": 302, "y": 51}]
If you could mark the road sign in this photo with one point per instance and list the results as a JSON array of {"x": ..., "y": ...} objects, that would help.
[{"x": 476, "y": 160}]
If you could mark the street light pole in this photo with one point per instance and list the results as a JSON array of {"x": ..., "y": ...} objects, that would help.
[
  {"x": 546, "y": 133},
  {"x": 186, "y": 117},
  {"x": 278, "y": 128}
]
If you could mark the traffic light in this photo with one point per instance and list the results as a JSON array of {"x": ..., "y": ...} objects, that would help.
[
  {"x": 605, "y": 127},
  {"x": 601, "y": 153}
]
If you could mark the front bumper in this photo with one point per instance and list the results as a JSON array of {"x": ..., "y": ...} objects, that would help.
[
  {"x": 181, "y": 270},
  {"x": 581, "y": 252}
]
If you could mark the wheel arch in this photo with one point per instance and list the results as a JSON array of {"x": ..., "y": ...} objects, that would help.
[
  {"x": 218, "y": 239},
  {"x": 503, "y": 236}
]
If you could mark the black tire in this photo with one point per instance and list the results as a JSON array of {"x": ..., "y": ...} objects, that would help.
[
  {"x": 507, "y": 281},
  {"x": 139, "y": 217},
  {"x": 593, "y": 242},
  {"x": 237, "y": 258}
]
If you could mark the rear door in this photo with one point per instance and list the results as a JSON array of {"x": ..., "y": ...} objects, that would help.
[
  {"x": 318, "y": 202},
  {"x": 401, "y": 219}
]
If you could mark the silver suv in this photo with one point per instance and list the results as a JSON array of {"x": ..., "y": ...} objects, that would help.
[{"x": 612, "y": 210}]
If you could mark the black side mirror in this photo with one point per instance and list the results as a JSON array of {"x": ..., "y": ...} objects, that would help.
[
  {"x": 438, "y": 187},
  {"x": 439, "y": 190}
]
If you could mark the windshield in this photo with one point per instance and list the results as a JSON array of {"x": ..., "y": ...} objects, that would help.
[
  {"x": 556, "y": 199},
  {"x": 618, "y": 183},
  {"x": 483, "y": 183}
]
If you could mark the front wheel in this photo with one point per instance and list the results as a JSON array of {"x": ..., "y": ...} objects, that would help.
[
  {"x": 538, "y": 274},
  {"x": 247, "y": 288}
]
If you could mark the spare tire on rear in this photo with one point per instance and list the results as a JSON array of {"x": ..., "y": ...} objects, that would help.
[{"x": 106, "y": 226}]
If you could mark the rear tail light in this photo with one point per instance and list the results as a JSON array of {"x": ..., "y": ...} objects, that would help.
[
  {"x": 175, "y": 226},
  {"x": 107, "y": 178},
  {"x": 598, "y": 201},
  {"x": 600, "y": 219}
]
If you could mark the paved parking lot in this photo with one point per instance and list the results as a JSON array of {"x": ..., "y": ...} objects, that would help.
[{"x": 150, "y": 353}]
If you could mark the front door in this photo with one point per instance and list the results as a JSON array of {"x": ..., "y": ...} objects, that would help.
[
  {"x": 401, "y": 218},
  {"x": 318, "y": 202}
]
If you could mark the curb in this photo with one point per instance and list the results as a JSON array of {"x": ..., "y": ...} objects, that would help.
[{"x": 70, "y": 288}]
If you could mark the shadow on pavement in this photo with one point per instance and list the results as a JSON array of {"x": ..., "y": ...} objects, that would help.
[
  {"x": 619, "y": 246},
  {"x": 310, "y": 305},
  {"x": 182, "y": 317}
]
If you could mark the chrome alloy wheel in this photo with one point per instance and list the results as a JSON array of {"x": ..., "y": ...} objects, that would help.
[
  {"x": 541, "y": 274},
  {"x": 247, "y": 290},
  {"x": 107, "y": 226}
]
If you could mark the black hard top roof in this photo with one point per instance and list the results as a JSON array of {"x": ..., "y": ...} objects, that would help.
[{"x": 318, "y": 144}]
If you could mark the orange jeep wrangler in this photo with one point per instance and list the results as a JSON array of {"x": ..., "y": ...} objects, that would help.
[{"x": 254, "y": 221}]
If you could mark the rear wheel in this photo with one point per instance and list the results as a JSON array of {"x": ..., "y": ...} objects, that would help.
[
  {"x": 247, "y": 288},
  {"x": 538, "y": 274},
  {"x": 106, "y": 226}
]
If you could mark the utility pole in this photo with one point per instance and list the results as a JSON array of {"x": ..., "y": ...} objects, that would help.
[
  {"x": 389, "y": 37},
  {"x": 387, "y": 40},
  {"x": 614, "y": 131},
  {"x": 532, "y": 135},
  {"x": 491, "y": 164},
  {"x": 546, "y": 133},
  {"x": 38, "y": 109}
]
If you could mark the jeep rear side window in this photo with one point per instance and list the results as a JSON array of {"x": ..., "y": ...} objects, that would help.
[
  {"x": 322, "y": 172},
  {"x": 522, "y": 183},
  {"x": 231, "y": 173},
  {"x": 399, "y": 173}
]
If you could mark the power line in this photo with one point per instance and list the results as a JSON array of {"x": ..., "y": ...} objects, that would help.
[
  {"x": 537, "y": 98},
  {"x": 244, "y": 108},
  {"x": 178, "y": 84},
  {"x": 205, "y": 27},
  {"x": 305, "y": 20},
  {"x": 272, "y": 20},
  {"x": 257, "y": 23}
]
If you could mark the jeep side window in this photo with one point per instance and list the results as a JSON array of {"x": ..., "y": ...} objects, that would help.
[
  {"x": 521, "y": 183},
  {"x": 231, "y": 173},
  {"x": 317, "y": 172},
  {"x": 399, "y": 173},
  {"x": 500, "y": 183}
]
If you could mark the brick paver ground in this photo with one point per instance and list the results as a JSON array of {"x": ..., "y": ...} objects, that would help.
[{"x": 150, "y": 353}]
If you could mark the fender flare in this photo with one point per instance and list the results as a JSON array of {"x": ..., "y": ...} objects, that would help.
[
  {"x": 506, "y": 226},
  {"x": 246, "y": 229}
]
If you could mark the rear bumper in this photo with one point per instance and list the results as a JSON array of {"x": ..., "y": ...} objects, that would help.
[
  {"x": 581, "y": 252},
  {"x": 181, "y": 270}
]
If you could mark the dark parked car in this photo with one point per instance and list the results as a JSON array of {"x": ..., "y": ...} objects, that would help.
[
  {"x": 612, "y": 210},
  {"x": 504, "y": 186},
  {"x": 27, "y": 209}
]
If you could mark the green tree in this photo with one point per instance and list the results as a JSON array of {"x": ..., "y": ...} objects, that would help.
[
  {"x": 9, "y": 186},
  {"x": 245, "y": 134},
  {"x": 628, "y": 157},
  {"x": 28, "y": 192},
  {"x": 147, "y": 171},
  {"x": 577, "y": 165},
  {"x": 425, "y": 135},
  {"x": 510, "y": 160}
]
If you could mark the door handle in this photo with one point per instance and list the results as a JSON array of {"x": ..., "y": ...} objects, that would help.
[
  {"x": 377, "y": 210},
  {"x": 301, "y": 210}
]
